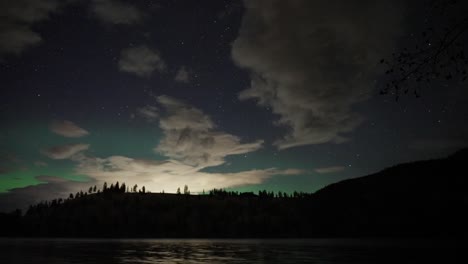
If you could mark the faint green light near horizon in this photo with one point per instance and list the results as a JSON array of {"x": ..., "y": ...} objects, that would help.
[{"x": 28, "y": 177}]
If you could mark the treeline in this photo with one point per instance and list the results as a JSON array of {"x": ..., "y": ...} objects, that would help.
[
  {"x": 419, "y": 199},
  {"x": 113, "y": 188},
  {"x": 227, "y": 214},
  {"x": 113, "y": 212},
  {"x": 122, "y": 188}
]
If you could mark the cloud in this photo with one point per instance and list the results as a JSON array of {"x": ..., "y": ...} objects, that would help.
[
  {"x": 16, "y": 20},
  {"x": 149, "y": 112},
  {"x": 141, "y": 61},
  {"x": 68, "y": 129},
  {"x": 183, "y": 75},
  {"x": 18, "y": 17},
  {"x": 17, "y": 38},
  {"x": 312, "y": 61},
  {"x": 116, "y": 12},
  {"x": 154, "y": 175},
  {"x": 51, "y": 187},
  {"x": 191, "y": 137},
  {"x": 332, "y": 169},
  {"x": 64, "y": 151},
  {"x": 191, "y": 142},
  {"x": 168, "y": 175}
]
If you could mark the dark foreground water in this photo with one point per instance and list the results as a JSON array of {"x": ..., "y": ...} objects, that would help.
[{"x": 329, "y": 251}]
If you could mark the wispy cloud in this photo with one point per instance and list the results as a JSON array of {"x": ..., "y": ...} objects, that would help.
[
  {"x": 190, "y": 136},
  {"x": 116, "y": 12},
  {"x": 183, "y": 75},
  {"x": 67, "y": 129},
  {"x": 16, "y": 21},
  {"x": 332, "y": 169},
  {"x": 64, "y": 151},
  {"x": 141, "y": 61},
  {"x": 149, "y": 112}
]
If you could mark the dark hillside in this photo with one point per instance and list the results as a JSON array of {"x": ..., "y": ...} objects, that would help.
[{"x": 420, "y": 198}]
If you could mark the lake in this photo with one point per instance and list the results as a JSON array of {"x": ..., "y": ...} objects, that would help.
[{"x": 329, "y": 251}]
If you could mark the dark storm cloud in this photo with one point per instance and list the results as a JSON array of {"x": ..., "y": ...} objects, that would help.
[
  {"x": 16, "y": 20},
  {"x": 64, "y": 151},
  {"x": 312, "y": 61},
  {"x": 141, "y": 61},
  {"x": 68, "y": 129},
  {"x": 116, "y": 12}
]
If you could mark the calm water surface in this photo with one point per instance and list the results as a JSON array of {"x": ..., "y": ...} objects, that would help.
[{"x": 329, "y": 251}]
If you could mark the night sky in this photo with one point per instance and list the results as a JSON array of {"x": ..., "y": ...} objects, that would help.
[{"x": 243, "y": 95}]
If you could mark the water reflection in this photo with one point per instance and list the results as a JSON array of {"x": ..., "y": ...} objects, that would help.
[{"x": 226, "y": 251}]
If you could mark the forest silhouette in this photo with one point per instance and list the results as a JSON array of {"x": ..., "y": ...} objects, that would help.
[{"x": 418, "y": 199}]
